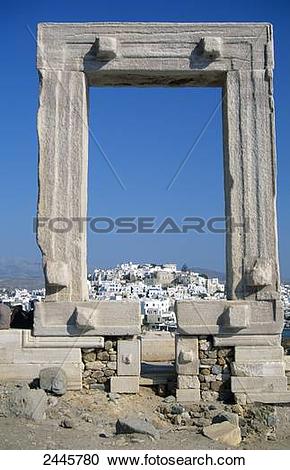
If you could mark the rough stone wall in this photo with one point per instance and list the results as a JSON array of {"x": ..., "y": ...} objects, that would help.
[
  {"x": 215, "y": 371},
  {"x": 99, "y": 365}
]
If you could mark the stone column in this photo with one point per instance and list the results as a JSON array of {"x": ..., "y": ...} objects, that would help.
[
  {"x": 250, "y": 185},
  {"x": 63, "y": 167}
]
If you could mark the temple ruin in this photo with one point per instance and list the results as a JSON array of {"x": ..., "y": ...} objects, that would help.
[{"x": 237, "y": 57}]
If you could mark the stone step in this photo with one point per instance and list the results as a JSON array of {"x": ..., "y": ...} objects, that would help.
[
  {"x": 153, "y": 373},
  {"x": 124, "y": 384},
  {"x": 148, "y": 381}
]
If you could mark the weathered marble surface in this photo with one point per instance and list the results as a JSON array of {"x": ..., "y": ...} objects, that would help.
[
  {"x": 19, "y": 362},
  {"x": 118, "y": 318},
  {"x": 210, "y": 317},
  {"x": 235, "y": 56}
]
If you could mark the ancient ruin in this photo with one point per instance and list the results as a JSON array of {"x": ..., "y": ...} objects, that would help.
[{"x": 240, "y": 336}]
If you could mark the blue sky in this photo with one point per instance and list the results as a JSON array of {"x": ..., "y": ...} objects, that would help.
[{"x": 145, "y": 133}]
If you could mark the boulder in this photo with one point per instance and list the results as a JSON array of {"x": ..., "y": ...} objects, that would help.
[
  {"x": 224, "y": 433},
  {"x": 53, "y": 379},
  {"x": 23, "y": 402},
  {"x": 130, "y": 425}
]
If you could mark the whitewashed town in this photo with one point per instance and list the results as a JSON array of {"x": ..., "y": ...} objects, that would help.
[{"x": 157, "y": 287}]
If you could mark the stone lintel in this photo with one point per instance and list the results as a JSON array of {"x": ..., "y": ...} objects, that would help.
[
  {"x": 116, "y": 318},
  {"x": 172, "y": 48},
  {"x": 211, "y": 317}
]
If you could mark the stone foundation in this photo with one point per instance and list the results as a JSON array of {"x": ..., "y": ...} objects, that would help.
[
  {"x": 88, "y": 361},
  {"x": 259, "y": 375},
  {"x": 203, "y": 370},
  {"x": 208, "y": 369}
]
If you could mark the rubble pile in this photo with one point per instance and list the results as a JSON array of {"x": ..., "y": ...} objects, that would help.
[{"x": 243, "y": 422}]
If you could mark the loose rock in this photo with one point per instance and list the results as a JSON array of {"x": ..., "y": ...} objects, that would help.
[
  {"x": 113, "y": 396},
  {"x": 226, "y": 416},
  {"x": 225, "y": 433},
  {"x": 67, "y": 423},
  {"x": 21, "y": 401},
  {"x": 134, "y": 425},
  {"x": 238, "y": 409},
  {"x": 53, "y": 379},
  {"x": 169, "y": 399},
  {"x": 177, "y": 409}
]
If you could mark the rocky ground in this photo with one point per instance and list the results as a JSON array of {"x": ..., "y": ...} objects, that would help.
[{"x": 87, "y": 420}]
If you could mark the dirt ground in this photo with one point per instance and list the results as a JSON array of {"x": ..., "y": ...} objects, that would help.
[{"x": 93, "y": 418}]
